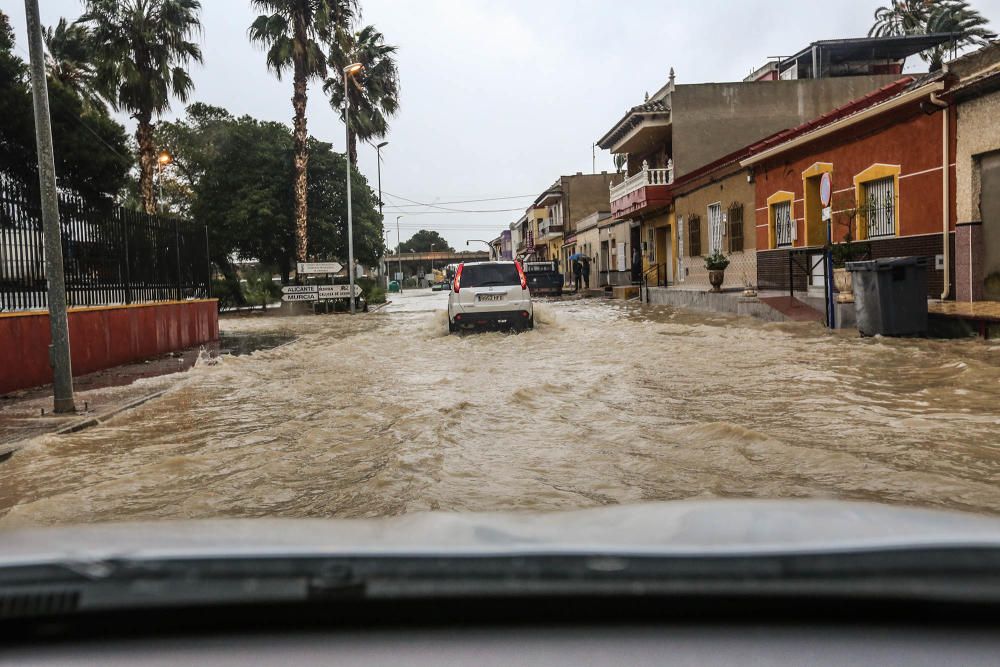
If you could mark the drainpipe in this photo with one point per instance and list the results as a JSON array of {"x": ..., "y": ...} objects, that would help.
[{"x": 946, "y": 193}]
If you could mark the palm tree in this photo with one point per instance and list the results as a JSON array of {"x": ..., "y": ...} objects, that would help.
[
  {"x": 295, "y": 33},
  {"x": 923, "y": 17},
  {"x": 374, "y": 93},
  {"x": 141, "y": 51},
  {"x": 70, "y": 63}
]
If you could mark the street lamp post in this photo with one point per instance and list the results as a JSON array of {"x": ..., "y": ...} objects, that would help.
[
  {"x": 399, "y": 255},
  {"x": 488, "y": 245},
  {"x": 349, "y": 71},
  {"x": 378, "y": 162},
  {"x": 162, "y": 160},
  {"x": 378, "y": 150}
]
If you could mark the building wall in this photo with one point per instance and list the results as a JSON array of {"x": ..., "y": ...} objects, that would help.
[
  {"x": 976, "y": 128},
  {"x": 615, "y": 236},
  {"x": 909, "y": 139},
  {"x": 978, "y": 142},
  {"x": 583, "y": 194},
  {"x": 711, "y": 120},
  {"x": 102, "y": 337},
  {"x": 727, "y": 189}
]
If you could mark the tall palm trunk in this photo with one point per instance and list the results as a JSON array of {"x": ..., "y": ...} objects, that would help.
[
  {"x": 301, "y": 163},
  {"x": 147, "y": 163}
]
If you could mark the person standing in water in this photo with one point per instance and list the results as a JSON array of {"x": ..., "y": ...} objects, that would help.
[{"x": 577, "y": 273}]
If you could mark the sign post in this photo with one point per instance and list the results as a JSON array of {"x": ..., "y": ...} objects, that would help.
[{"x": 825, "y": 200}]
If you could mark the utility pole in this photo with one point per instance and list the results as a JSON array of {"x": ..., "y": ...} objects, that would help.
[
  {"x": 399, "y": 255},
  {"x": 59, "y": 357}
]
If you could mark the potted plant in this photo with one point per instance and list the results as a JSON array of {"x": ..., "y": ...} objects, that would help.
[
  {"x": 749, "y": 290},
  {"x": 716, "y": 264}
]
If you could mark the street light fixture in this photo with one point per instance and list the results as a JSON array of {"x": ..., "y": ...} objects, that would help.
[
  {"x": 162, "y": 160},
  {"x": 349, "y": 71},
  {"x": 488, "y": 245}
]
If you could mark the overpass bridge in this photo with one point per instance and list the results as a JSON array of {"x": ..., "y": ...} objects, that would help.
[{"x": 420, "y": 263}]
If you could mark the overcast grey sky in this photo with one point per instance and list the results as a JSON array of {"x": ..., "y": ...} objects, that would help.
[{"x": 500, "y": 97}]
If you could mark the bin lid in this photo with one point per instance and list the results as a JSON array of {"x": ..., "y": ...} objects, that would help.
[{"x": 884, "y": 263}]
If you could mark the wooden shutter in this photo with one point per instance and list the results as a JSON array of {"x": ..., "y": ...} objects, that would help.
[
  {"x": 735, "y": 227},
  {"x": 694, "y": 235}
]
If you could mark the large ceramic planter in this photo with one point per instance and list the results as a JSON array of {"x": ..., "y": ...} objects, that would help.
[
  {"x": 845, "y": 285},
  {"x": 715, "y": 277}
]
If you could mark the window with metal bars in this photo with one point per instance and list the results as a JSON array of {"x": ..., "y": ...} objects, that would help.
[
  {"x": 694, "y": 234},
  {"x": 735, "y": 227},
  {"x": 880, "y": 208},
  {"x": 783, "y": 223},
  {"x": 714, "y": 228}
]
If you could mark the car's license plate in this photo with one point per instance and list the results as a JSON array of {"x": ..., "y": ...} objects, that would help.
[{"x": 489, "y": 297}]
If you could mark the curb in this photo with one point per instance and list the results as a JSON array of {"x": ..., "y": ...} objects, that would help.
[{"x": 100, "y": 419}]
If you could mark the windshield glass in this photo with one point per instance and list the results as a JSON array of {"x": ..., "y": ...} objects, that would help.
[
  {"x": 482, "y": 275},
  {"x": 771, "y": 279}
]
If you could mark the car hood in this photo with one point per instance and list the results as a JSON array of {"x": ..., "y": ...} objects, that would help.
[{"x": 717, "y": 527}]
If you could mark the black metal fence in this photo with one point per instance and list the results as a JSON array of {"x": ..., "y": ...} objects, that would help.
[{"x": 111, "y": 255}]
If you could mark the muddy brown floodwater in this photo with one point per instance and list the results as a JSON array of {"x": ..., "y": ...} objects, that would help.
[{"x": 603, "y": 402}]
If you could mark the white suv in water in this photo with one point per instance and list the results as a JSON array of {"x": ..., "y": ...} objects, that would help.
[{"x": 490, "y": 295}]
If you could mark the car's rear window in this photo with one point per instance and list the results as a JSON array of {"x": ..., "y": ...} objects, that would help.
[{"x": 482, "y": 275}]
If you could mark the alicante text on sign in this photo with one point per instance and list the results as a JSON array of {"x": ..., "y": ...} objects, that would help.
[{"x": 298, "y": 289}]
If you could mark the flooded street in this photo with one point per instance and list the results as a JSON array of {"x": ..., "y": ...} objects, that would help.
[{"x": 604, "y": 402}]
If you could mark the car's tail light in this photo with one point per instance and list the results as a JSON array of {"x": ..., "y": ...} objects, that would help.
[
  {"x": 458, "y": 277},
  {"x": 520, "y": 273}
]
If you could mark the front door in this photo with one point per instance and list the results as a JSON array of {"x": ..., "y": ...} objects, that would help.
[
  {"x": 989, "y": 211},
  {"x": 665, "y": 253}
]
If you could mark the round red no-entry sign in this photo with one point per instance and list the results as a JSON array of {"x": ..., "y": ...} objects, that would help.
[{"x": 825, "y": 189}]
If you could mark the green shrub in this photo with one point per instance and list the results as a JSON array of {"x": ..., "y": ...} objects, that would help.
[
  {"x": 225, "y": 291},
  {"x": 716, "y": 261}
]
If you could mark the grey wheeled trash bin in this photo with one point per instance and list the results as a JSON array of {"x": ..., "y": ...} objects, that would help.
[{"x": 890, "y": 296}]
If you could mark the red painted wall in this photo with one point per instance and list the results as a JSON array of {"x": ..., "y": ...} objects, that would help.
[
  {"x": 909, "y": 138},
  {"x": 101, "y": 338}
]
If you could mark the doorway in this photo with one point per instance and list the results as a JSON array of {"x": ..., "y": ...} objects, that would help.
[
  {"x": 989, "y": 213},
  {"x": 665, "y": 253}
]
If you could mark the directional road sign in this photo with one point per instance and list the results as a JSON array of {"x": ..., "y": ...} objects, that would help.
[
  {"x": 306, "y": 296},
  {"x": 298, "y": 289},
  {"x": 318, "y": 267},
  {"x": 337, "y": 291}
]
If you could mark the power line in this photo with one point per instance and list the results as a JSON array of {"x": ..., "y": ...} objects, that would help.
[
  {"x": 452, "y": 210},
  {"x": 461, "y": 201}
]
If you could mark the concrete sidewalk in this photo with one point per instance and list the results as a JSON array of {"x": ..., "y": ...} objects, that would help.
[{"x": 27, "y": 413}]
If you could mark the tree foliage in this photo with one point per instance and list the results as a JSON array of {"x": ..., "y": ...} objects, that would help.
[
  {"x": 141, "y": 50},
  {"x": 923, "y": 17},
  {"x": 423, "y": 241},
  {"x": 69, "y": 62},
  {"x": 239, "y": 182},
  {"x": 295, "y": 33},
  {"x": 374, "y": 92},
  {"x": 91, "y": 150}
]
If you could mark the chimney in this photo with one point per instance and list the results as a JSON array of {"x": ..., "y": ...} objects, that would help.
[{"x": 579, "y": 173}]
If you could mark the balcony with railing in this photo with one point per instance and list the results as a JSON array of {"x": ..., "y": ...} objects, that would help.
[
  {"x": 547, "y": 230},
  {"x": 648, "y": 188}
]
